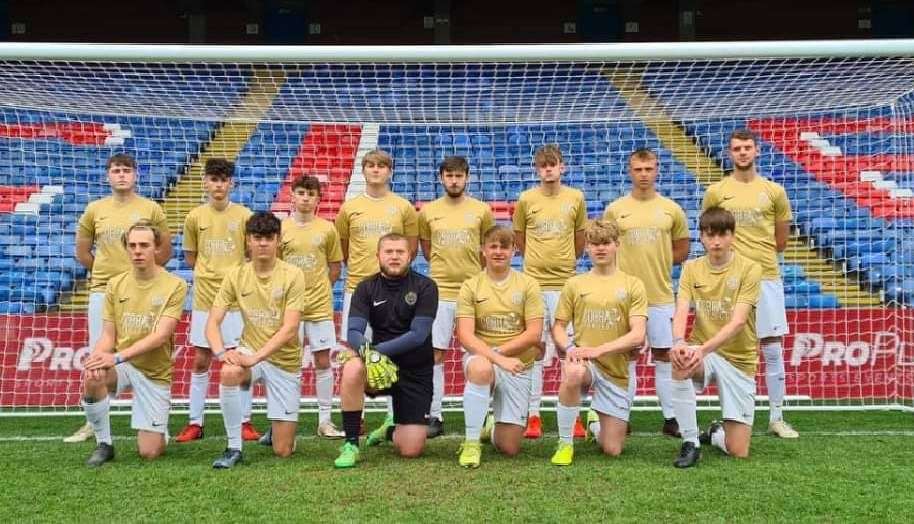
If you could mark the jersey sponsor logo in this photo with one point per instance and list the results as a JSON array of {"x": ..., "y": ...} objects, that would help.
[
  {"x": 641, "y": 236},
  {"x": 377, "y": 303},
  {"x": 601, "y": 318},
  {"x": 452, "y": 238},
  {"x": 219, "y": 247},
  {"x": 507, "y": 324},
  {"x": 717, "y": 310},
  {"x": 137, "y": 323},
  {"x": 410, "y": 298}
]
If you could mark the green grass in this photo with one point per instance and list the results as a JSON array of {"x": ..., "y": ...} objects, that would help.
[{"x": 826, "y": 475}]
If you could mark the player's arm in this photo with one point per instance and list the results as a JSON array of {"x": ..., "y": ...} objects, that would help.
[
  {"x": 530, "y": 336},
  {"x": 736, "y": 324},
  {"x": 781, "y": 235},
  {"x": 344, "y": 247},
  {"x": 84, "y": 251},
  {"x": 466, "y": 335},
  {"x": 560, "y": 335},
  {"x": 413, "y": 242},
  {"x": 419, "y": 328},
  {"x": 520, "y": 241},
  {"x": 191, "y": 258},
  {"x": 426, "y": 246},
  {"x": 213, "y": 331},
  {"x": 359, "y": 310},
  {"x": 334, "y": 270},
  {"x": 163, "y": 253},
  {"x": 578, "y": 244},
  {"x": 580, "y": 222},
  {"x": 165, "y": 329},
  {"x": 291, "y": 318},
  {"x": 680, "y": 250},
  {"x": 189, "y": 239},
  {"x": 632, "y": 340}
]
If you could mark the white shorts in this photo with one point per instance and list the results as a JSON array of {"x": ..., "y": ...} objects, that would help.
[
  {"x": 510, "y": 396},
  {"x": 231, "y": 328},
  {"x": 344, "y": 319},
  {"x": 321, "y": 334},
  {"x": 443, "y": 327},
  {"x": 660, "y": 325},
  {"x": 95, "y": 314},
  {"x": 151, "y": 400},
  {"x": 608, "y": 398},
  {"x": 283, "y": 389},
  {"x": 771, "y": 313},
  {"x": 550, "y": 305},
  {"x": 736, "y": 390}
]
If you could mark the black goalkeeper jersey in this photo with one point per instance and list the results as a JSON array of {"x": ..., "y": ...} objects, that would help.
[{"x": 390, "y": 305}]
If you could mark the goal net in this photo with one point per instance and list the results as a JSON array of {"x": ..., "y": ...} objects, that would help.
[{"x": 835, "y": 128}]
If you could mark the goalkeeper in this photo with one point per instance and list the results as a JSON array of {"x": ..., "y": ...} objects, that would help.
[{"x": 400, "y": 306}]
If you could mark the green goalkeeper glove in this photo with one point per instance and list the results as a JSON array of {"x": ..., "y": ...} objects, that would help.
[{"x": 381, "y": 371}]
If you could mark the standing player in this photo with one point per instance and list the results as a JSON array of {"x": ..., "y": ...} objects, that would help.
[
  {"x": 450, "y": 233},
  {"x": 499, "y": 325},
  {"x": 654, "y": 236},
  {"x": 549, "y": 225},
  {"x": 213, "y": 245},
  {"x": 102, "y": 227},
  {"x": 763, "y": 217},
  {"x": 362, "y": 221},
  {"x": 141, "y": 310},
  {"x": 312, "y": 243},
  {"x": 723, "y": 288},
  {"x": 270, "y": 294},
  {"x": 401, "y": 306},
  {"x": 608, "y": 309}
]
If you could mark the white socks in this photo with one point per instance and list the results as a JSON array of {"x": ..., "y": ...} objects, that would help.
[
  {"x": 323, "y": 385},
  {"x": 97, "y": 415},
  {"x": 719, "y": 440},
  {"x": 663, "y": 380},
  {"x": 774, "y": 379},
  {"x": 230, "y": 399},
  {"x": 632, "y": 381},
  {"x": 566, "y": 416},
  {"x": 199, "y": 383},
  {"x": 536, "y": 388},
  {"x": 475, "y": 407},
  {"x": 437, "y": 391},
  {"x": 684, "y": 405},
  {"x": 247, "y": 397}
]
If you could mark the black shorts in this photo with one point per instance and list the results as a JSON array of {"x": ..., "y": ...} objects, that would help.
[{"x": 412, "y": 396}]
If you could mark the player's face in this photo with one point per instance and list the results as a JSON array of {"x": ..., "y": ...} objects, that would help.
[
  {"x": 376, "y": 174},
  {"x": 217, "y": 187},
  {"x": 262, "y": 247},
  {"x": 498, "y": 255},
  {"x": 121, "y": 178},
  {"x": 393, "y": 257},
  {"x": 550, "y": 172},
  {"x": 454, "y": 182},
  {"x": 141, "y": 248},
  {"x": 717, "y": 244},
  {"x": 305, "y": 200},
  {"x": 743, "y": 153},
  {"x": 602, "y": 254},
  {"x": 643, "y": 173}
]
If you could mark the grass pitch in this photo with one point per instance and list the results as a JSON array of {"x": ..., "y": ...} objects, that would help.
[{"x": 846, "y": 466}]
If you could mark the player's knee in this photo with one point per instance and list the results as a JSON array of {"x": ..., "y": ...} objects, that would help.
[
  {"x": 353, "y": 372},
  {"x": 321, "y": 359},
  {"x": 411, "y": 449},
  {"x": 231, "y": 375},
  {"x": 151, "y": 452},
  {"x": 679, "y": 373},
  {"x": 479, "y": 371},
  {"x": 203, "y": 358},
  {"x": 613, "y": 449},
  {"x": 509, "y": 449},
  {"x": 283, "y": 450},
  {"x": 573, "y": 374},
  {"x": 660, "y": 355}
]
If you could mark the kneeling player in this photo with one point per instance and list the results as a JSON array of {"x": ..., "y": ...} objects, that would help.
[
  {"x": 270, "y": 294},
  {"x": 499, "y": 325},
  {"x": 400, "y": 306},
  {"x": 723, "y": 287},
  {"x": 608, "y": 309},
  {"x": 141, "y": 310}
]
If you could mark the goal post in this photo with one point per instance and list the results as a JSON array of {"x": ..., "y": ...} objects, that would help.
[{"x": 834, "y": 122}]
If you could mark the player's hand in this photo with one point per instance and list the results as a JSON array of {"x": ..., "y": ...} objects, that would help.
[
  {"x": 240, "y": 359},
  {"x": 95, "y": 374},
  {"x": 679, "y": 355},
  {"x": 695, "y": 358},
  {"x": 572, "y": 355},
  {"x": 587, "y": 353},
  {"x": 511, "y": 365},
  {"x": 380, "y": 371},
  {"x": 99, "y": 360}
]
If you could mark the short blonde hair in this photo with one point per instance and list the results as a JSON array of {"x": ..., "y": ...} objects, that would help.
[
  {"x": 501, "y": 234},
  {"x": 143, "y": 225},
  {"x": 378, "y": 157},
  {"x": 548, "y": 154},
  {"x": 601, "y": 231}
]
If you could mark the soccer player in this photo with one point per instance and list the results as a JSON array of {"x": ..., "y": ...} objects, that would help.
[
  {"x": 549, "y": 225},
  {"x": 270, "y": 294},
  {"x": 213, "y": 245},
  {"x": 98, "y": 242},
  {"x": 609, "y": 311},
  {"x": 400, "y": 304},
  {"x": 450, "y": 233},
  {"x": 499, "y": 325},
  {"x": 362, "y": 221},
  {"x": 723, "y": 288},
  {"x": 763, "y": 217},
  {"x": 654, "y": 236},
  {"x": 312, "y": 243},
  {"x": 141, "y": 310}
]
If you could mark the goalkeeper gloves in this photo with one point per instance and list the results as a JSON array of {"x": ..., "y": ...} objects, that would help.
[{"x": 381, "y": 371}]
